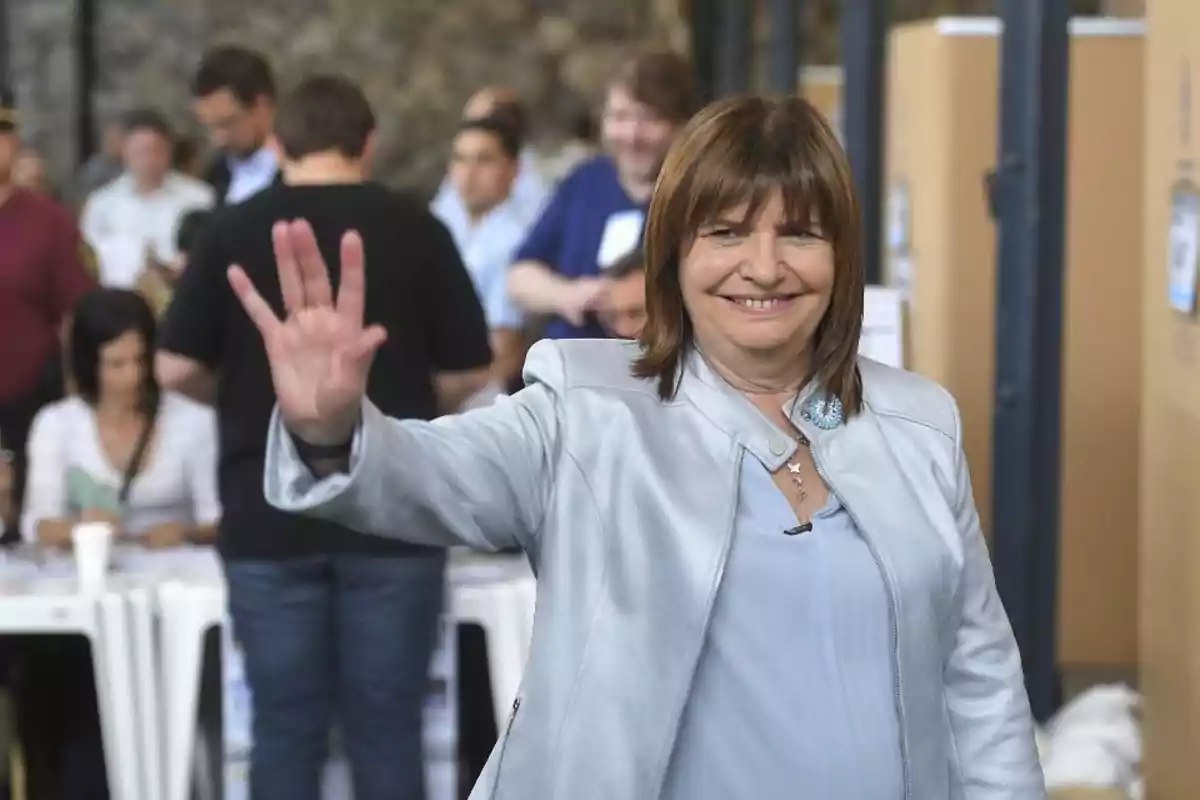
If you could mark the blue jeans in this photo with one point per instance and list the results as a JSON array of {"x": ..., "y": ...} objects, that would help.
[{"x": 345, "y": 638}]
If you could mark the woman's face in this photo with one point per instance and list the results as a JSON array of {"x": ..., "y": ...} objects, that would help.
[
  {"x": 122, "y": 372},
  {"x": 756, "y": 288}
]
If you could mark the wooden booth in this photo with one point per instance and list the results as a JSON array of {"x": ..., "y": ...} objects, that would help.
[
  {"x": 1170, "y": 465},
  {"x": 943, "y": 110}
]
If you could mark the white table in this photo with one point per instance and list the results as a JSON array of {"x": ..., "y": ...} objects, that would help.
[
  {"x": 44, "y": 599},
  {"x": 147, "y": 631}
]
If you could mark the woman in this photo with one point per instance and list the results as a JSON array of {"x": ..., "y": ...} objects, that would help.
[
  {"x": 760, "y": 567},
  {"x": 119, "y": 450}
]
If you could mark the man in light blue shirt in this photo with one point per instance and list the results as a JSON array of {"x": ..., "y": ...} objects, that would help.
[
  {"x": 488, "y": 224},
  {"x": 529, "y": 190}
]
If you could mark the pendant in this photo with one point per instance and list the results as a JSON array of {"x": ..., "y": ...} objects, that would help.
[
  {"x": 824, "y": 412},
  {"x": 803, "y": 527}
]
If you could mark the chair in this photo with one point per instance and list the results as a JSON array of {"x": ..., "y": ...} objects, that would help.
[
  {"x": 498, "y": 594},
  {"x": 186, "y": 613}
]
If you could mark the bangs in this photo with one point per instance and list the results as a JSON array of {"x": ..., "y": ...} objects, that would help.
[{"x": 740, "y": 174}]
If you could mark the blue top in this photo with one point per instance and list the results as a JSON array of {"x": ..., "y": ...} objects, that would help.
[
  {"x": 794, "y": 693},
  {"x": 487, "y": 246},
  {"x": 589, "y": 223}
]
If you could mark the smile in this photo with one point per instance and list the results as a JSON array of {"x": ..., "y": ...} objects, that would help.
[{"x": 762, "y": 304}]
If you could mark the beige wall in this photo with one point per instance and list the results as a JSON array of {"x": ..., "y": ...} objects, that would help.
[
  {"x": 1170, "y": 477},
  {"x": 822, "y": 86},
  {"x": 1125, "y": 8},
  {"x": 943, "y": 114}
]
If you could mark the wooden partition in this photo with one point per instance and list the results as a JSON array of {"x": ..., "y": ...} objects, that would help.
[
  {"x": 1170, "y": 474},
  {"x": 942, "y": 142}
]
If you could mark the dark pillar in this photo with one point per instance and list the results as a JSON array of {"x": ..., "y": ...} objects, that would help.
[
  {"x": 85, "y": 78},
  {"x": 734, "y": 51},
  {"x": 5, "y": 52},
  {"x": 864, "y": 41},
  {"x": 704, "y": 46},
  {"x": 1029, "y": 197},
  {"x": 784, "y": 59}
]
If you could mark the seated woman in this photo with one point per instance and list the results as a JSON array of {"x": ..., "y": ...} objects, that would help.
[{"x": 119, "y": 450}]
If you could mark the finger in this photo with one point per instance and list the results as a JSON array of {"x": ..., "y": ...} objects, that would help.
[
  {"x": 352, "y": 287},
  {"x": 313, "y": 271},
  {"x": 261, "y": 314},
  {"x": 288, "y": 268},
  {"x": 363, "y": 348}
]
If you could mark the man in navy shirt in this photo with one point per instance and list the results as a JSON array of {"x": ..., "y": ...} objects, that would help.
[{"x": 596, "y": 216}]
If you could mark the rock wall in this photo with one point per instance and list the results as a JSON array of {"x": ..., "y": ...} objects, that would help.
[{"x": 418, "y": 60}]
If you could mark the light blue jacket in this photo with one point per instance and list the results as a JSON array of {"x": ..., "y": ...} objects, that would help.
[{"x": 625, "y": 505}]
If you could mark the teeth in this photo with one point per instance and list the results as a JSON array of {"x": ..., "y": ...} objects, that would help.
[{"x": 759, "y": 304}]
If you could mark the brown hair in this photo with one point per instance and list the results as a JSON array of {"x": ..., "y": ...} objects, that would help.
[
  {"x": 739, "y": 151},
  {"x": 662, "y": 80},
  {"x": 323, "y": 113}
]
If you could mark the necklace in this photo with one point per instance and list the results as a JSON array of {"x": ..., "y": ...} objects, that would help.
[
  {"x": 826, "y": 413},
  {"x": 796, "y": 473}
]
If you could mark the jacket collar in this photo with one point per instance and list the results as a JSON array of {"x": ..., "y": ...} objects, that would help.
[{"x": 733, "y": 413}]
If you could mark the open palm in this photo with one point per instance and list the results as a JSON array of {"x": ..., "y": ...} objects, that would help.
[{"x": 320, "y": 353}]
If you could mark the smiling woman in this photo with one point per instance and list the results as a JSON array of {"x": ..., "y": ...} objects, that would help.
[
  {"x": 759, "y": 562},
  {"x": 756, "y": 205}
]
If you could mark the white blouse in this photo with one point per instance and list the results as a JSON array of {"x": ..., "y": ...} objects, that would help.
[{"x": 69, "y": 472}]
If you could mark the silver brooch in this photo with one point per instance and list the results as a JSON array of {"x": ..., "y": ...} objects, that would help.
[{"x": 824, "y": 412}]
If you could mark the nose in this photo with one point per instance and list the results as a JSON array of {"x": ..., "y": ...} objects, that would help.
[{"x": 763, "y": 266}]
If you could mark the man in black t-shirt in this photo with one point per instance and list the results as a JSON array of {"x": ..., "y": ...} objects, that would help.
[{"x": 331, "y": 622}]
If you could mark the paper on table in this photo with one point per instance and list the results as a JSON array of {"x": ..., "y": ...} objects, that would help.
[{"x": 882, "y": 331}]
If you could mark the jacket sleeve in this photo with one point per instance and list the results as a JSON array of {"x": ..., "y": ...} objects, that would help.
[
  {"x": 989, "y": 712},
  {"x": 482, "y": 478}
]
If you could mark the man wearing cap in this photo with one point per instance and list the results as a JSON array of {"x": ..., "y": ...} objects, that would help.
[{"x": 41, "y": 276}]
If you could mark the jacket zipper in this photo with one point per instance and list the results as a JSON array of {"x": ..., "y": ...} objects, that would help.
[
  {"x": 893, "y": 615},
  {"x": 516, "y": 706}
]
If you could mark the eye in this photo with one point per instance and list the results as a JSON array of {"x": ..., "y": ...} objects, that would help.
[{"x": 804, "y": 236}]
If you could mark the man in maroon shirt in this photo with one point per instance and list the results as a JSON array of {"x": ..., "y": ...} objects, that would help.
[{"x": 41, "y": 276}]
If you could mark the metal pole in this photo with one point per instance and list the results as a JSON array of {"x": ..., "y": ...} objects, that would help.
[
  {"x": 704, "y": 47},
  {"x": 864, "y": 43},
  {"x": 734, "y": 53},
  {"x": 783, "y": 66},
  {"x": 5, "y": 53},
  {"x": 1029, "y": 198},
  {"x": 85, "y": 55}
]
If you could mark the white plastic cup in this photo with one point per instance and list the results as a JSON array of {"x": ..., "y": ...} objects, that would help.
[{"x": 93, "y": 550}]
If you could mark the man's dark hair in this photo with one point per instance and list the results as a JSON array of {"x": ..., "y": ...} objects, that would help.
[
  {"x": 629, "y": 264},
  {"x": 511, "y": 113},
  {"x": 510, "y": 141},
  {"x": 147, "y": 119},
  {"x": 324, "y": 112},
  {"x": 245, "y": 73}
]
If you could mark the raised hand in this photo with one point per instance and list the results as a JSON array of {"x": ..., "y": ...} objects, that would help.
[{"x": 320, "y": 353}]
